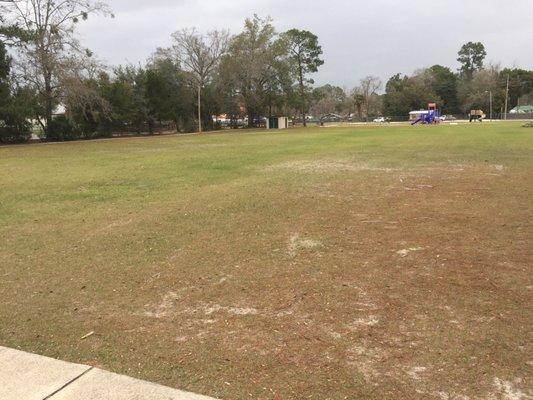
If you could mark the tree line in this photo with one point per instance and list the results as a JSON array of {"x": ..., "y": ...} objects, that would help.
[
  {"x": 50, "y": 81},
  {"x": 474, "y": 86}
]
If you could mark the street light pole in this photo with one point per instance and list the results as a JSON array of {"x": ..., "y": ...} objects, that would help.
[
  {"x": 490, "y": 95},
  {"x": 506, "y": 97},
  {"x": 490, "y": 102}
]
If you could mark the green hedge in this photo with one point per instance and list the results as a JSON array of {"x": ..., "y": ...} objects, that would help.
[
  {"x": 18, "y": 133},
  {"x": 63, "y": 129}
]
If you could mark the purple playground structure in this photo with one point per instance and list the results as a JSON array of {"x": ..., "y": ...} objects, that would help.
[{"x": 429, "y": 116}]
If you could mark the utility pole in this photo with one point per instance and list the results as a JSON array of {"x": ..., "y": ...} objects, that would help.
[
  {"x": 490, "y": 102},
  {"x": 199, "y": 108},
  {"x": 506, "y": 97},
  {"x": 490, "y": 97}
]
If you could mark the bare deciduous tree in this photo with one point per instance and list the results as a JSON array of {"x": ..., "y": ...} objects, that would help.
[
  {"x": 51, "y": 45},
  {"x": 77, "y": 92},
  {"x": 364, "y": 94},
  {"x": 200, "y": 54}
]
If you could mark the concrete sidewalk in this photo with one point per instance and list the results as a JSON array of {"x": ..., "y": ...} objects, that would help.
[{"x": 25, "y": 376}]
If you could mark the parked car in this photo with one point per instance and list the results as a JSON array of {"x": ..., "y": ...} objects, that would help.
[
  {"x": 381, "y": 120},
  {"x": 331, "y": 118}
]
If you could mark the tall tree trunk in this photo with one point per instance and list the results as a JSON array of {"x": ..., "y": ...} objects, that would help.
[
  {"x": 48, "y": 103},
  {"x": 304, "y": 115},
  {"x": 302, "y": 94},
  {"x": 199, "y": 108},
  {"x": 250, "y": 118},
  {"x": 360, "y": 112}
]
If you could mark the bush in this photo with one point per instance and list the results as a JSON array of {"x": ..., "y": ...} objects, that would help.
[
  {"x": 90, "y": 126},
  {"x": 61, "y": 129},
  {"x": 18, "y": 133},
  {"x": 189, "y": 125},
  {"x": 100, "y": 133},
  {"x": 528, "y": 125},
  {"x": 64, "y": 129}
]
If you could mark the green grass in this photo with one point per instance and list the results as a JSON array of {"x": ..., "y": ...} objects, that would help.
[{"x": 163, "y": 245}]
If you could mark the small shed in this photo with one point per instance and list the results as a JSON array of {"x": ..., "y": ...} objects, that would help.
[{"x": 277, "y": 123}]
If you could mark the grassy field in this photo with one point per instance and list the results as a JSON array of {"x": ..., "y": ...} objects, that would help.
[{"x": 385, "y": 262}]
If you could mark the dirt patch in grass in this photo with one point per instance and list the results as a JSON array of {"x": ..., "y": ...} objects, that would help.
[
  {"x": 296, "y": 244},
  {"x": 327, "y": 166}
]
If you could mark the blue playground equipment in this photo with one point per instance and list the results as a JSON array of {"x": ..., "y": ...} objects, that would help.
[{"x": 431, "y": 116}]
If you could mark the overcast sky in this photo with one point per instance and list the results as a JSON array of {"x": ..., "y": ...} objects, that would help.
[{"x": 359, "y": 37}]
